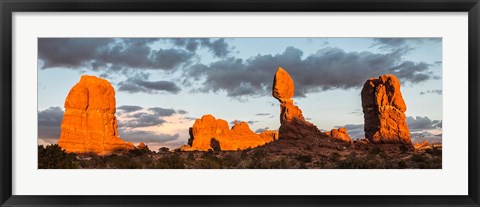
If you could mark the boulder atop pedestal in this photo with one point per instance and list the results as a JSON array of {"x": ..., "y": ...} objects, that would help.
[{"x": 293, "y": 124}]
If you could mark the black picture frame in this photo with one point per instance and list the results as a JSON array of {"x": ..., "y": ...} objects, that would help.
[{"x": 10, "y": 6}]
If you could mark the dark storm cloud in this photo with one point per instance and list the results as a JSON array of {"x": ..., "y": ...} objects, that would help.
[
  {"x": 128, "y": 108},
  {"x": 219, "y": 47},
  {"x": 146, "y": 136},
  {"x": 422, "y": 123},
  {"x": 140, "y": 83},
  {"x": 438, "y": 92},
  {"x": 108, "y": 53},
  {"x": 141, "y": 119},
  {"x": 158, "y": 111},
  {"x": 354, "y": 130},
  {"x": 72, "y": 52},
  {"x": 49, "y": 123},
  {"x": 328, "y": 68}
]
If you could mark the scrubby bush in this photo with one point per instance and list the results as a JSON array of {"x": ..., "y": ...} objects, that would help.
[
  {"x": 173, "y": 161},
  {"x": 54, "y": 157}
]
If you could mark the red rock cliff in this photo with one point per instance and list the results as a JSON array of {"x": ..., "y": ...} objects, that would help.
[{"x": 89, "y": 123}]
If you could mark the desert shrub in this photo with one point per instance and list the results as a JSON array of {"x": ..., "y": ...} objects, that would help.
[
  {"x": 170, "y": 162},
  {"x": 209, "y": 162},
  {"x": 281, "y": 163},
  {"x": 375, "y": 151},
  {"x": 190, "y": 156},
  {"x": 121, "y": 162},
  {"x": 304, "y": 158},
  {"x": 230, "y": 160},
  {"x": 334, "y": 157},
  {"x": 54, "y": 157},
  {"x": 402, "y": 164},
  {"x": 354, "y": 162},
  {"x": 418, "y": 158},
  {"x": 434, "y": 151},
  {"x": 138, "y": 152},
  {"x": 403, "y": 149},
  {"x": 163, "y": 149}
]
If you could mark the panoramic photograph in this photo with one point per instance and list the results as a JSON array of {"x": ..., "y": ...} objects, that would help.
[{"x": 239, "y": 103}]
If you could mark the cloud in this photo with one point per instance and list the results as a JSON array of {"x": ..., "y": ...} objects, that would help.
[
  {"x": 218, "y": 47},
  {"x": 139, "y": 83},
  {"x": 146, "y": 136},
  {"x": 72, "y": 52},
  {"x": 401, "y": 42},
  {"x": 248, "y": 122},
  {"x": 129, "y": 108},
  {"x": 158, "y": 111},
  {"x": 182, "y": 112},
  {"x": 260, "y": 130},
  {"x": 108, "y": 53},
  {"x": 328, "y": 68},
  {"x": 141, "y": 119},
  {"x": 262, "y": 114},
  {"x": 354, "y": 130},
  {"x": 49, "y": 123},
  {"x": 419, "y": 123},
  {"x": 438, "y": 92}
]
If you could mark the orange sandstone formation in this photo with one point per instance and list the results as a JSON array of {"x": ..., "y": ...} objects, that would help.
[
  {"x": 142, "y": 145},
  {"x": 239, "y": 137},
  {"x": 293, "y": 124},
  {"x": 339, "y": 134},
  {"x": 89, "y": 123},
  {"x": 384, "y": 111}
]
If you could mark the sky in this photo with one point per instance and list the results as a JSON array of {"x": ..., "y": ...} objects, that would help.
[{"x": 163, "y": 84}]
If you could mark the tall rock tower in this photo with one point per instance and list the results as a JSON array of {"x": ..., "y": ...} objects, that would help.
[
  {"x": 384, "y": 111},
  {"x": 89, "y": 124}
]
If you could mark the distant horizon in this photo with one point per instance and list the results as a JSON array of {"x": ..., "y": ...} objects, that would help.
[{"x": 162, "y": 85}]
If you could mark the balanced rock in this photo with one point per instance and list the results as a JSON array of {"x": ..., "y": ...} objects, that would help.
[
  {"x": 293, "y": 124},
  {"x": 89, "y": 124},
  {"x": 283, "y": 86},
  {"x": 339, "y": 134},
  {"x": 208, "y": 130},
  {"x": 384, "y": 111}
]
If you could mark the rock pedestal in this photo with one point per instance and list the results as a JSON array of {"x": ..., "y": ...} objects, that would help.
[
  {"x": 293, "y": 124},
  {"x": 384, "y": 111},
  {"x": 89, "y": 124}
]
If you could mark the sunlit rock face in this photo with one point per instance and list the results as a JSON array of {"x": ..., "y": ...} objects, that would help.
[
  {"x": 384, "y": 111},
  {"x": 339, "y": 134},
  {"x": 89, "y": 124},
  {"x": 293, "y": 124},
  {"x": 239, "y": 137}
]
